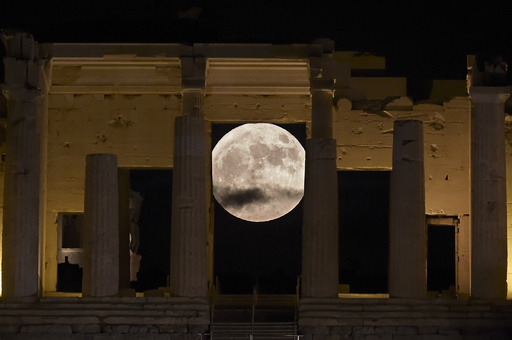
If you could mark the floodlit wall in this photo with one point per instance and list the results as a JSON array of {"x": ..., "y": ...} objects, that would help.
[
  {"x": 138, "y": 128},
  {"x": 365, "y": 139}
]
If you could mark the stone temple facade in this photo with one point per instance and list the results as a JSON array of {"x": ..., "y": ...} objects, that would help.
[{"x": 78, "y": 117}]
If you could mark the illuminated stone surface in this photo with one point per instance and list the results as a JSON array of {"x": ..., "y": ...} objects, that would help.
[
  {"x": 21, "y": 209},
  {"x": 188, "y": 232},
  {"x": 320, "y": 225},
  {"x": 101, "y": 226},
  {"x": 488, "y": 193},
  {"x": 407, "y": 226},
  {"x": 22, "y": 178}
]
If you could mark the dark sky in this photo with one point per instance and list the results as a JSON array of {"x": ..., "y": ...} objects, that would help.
[{"x": 422, "y": 39}]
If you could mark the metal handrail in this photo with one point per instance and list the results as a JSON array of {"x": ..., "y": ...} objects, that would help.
[{"x": 213, "y": 298}]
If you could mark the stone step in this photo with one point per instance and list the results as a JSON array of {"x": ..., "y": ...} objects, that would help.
[
  {"x": 259, "y": 300},
  {"x": 270, "y": 330},
  {"x": 261, "y": 314}
]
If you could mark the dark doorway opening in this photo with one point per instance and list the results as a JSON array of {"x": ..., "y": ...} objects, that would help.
[
  {"x": 70, "y": 252},
  {"x": 441, "y": 257},
  {"x": 155, "y": 187},
  {"x": 264, "y": 255},
  {"x": 364, "y": 230}
]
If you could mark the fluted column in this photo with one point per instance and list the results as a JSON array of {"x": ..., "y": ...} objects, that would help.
[
  {"x": 20, "y": 240},
  {"x": 320, "y": 225},
  {"x": 101, "y": 226},
  {"x": 407, "y": 225},
  {"x": 488, "y": 193},
  {"x": 189, "y": 223},
  {"x": 124, "y": 228}
]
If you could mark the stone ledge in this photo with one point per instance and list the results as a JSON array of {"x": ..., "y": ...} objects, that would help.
[
  {"x": 101, "y": 316},
  {"x": 403, "y": 318}
]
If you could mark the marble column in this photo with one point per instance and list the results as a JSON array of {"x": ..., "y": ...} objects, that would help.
[
  {"x": 124, "y": 228},
  {"x": 488, "y": 193},
  {"x": 20, "y": 240},
  {"x": 189, "y": 222},
  {"x": 320, "y": 225},
  {"x": 101, "y": 226},
  {"x": 407, "y": 225}
]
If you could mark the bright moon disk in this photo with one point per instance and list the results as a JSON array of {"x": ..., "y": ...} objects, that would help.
[{"x": 258, "y": 172}]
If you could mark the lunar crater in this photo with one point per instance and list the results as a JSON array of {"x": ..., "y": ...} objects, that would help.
[{"x": 258, "y": 172}]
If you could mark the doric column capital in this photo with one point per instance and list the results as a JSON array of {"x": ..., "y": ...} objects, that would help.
[
  {"x": 192, "y": 102},
  {"x": 193, "y": 84},
  {"x": 321, "y": 107},
  {"x": 321, "y": 84},
  {"x": 490, "y": 94},
  {"x": 21, "y": 94},
  {"x": 193, "y": 73}
]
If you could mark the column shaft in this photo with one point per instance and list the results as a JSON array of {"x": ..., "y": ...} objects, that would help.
[
  {"x": 189, "y": 223},
  {"x": 321, "y": 120},
  {"x": 124, "y": 228},
  {"x": 407, "y": 226},
  {"x": 320, "y": 225},
  {"x": 488, "y": 193},
  {"x": 101, "y": 224},
  {"x": 20, "y": 241}
]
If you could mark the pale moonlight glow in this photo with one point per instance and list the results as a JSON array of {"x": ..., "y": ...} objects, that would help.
[{"x": 258, "y": 172}]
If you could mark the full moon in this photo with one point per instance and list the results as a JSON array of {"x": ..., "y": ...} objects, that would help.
[{"x": 258, "y": 172}]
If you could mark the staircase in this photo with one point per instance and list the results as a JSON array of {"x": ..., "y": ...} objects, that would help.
[
  {"x": 236, "y": 318},
  {"x": 260, "y": 330}
]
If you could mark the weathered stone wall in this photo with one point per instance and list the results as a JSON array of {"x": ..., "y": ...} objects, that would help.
[
  {"x": 137, "y": 128},
  {"x": 103, "y": 318},
  {"x": 365, "y": 139},
  {"x": 409, "y": 319}
]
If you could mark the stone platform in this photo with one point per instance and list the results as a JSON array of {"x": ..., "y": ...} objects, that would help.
[
  {"x": 411, "y": 319},
  {"x": 165, "y": 318},
  {"x": 155, "y": 318}
]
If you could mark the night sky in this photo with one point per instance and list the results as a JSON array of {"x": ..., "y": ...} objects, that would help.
[{"x": 421, "y": 39}]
